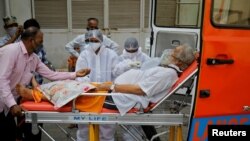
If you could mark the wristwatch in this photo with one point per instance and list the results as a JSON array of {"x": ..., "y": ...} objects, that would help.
[{"x": 111, "y": 89}]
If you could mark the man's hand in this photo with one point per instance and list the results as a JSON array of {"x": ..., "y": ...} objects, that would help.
[
  {"x": 16, "y": 110},
  {"x": 135, "y": 64},
  {"x": 19, "y": 30},
  {"x": 82, "y": 72}
]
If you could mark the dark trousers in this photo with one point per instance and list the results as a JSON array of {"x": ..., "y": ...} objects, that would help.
[
  {"x": 24, "y": 131},
  {"x": 109, "y": 103},
  {"x": 7, "y": 127}
]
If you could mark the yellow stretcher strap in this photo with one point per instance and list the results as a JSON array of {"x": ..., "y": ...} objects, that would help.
[
  {"x": 179, "y": 133},
  {"x": 93, "y": 132},
  {"x": 172, "y": 135}
]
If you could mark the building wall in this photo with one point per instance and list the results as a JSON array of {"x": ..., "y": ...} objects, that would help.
[
  {"x": 21, "y": 9},
  {"x": 56, "y": 39}
]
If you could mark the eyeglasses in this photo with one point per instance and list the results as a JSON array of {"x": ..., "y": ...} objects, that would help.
[{"x": 132, "y": 51}]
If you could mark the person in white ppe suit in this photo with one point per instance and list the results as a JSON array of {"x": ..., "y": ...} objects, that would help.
[
  {"x": 79, "y": 41},
  {"x": 151, "y": 85},
  {"x": 132, "y": 57},
  {"x": 101, "y": 61}
]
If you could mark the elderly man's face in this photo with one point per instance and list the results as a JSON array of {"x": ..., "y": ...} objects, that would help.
[
  {"x": 175, "y": 56},
  {"x": 177, "y": 51}
]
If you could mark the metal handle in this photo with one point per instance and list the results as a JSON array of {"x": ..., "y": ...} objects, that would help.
[
  {"x": 246, "y": 108},
  {"x": 175, "y": 43},
  {"x": 214, "y": 61},
  {"x": 204, "y": 93}
]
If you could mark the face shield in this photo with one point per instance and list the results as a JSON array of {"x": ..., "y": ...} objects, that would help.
[{"x": 94, "y": 39}]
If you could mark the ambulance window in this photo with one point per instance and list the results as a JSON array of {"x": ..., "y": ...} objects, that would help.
[
  {"x": 231, "y": 13},
  {"x": 177, "y": 13}
]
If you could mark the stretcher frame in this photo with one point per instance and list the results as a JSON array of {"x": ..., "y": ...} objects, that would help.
[
  {"x": 103, "y": 118},
  {"x": 138, "y": 118}
]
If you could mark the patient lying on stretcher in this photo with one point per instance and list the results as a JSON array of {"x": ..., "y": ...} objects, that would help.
[{"x": 137, "y": 88}]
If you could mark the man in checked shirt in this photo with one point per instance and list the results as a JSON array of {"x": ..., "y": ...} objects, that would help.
[{"x": 40, "y": 52}]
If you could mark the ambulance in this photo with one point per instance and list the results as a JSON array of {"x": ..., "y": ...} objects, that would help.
[{"x": 220, "y": 32}]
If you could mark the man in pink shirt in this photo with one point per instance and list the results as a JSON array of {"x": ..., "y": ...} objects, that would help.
[{"x": 17, "y": 62}]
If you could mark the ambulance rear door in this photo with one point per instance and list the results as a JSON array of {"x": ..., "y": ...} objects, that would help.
[{"x": 223, "y": 95}]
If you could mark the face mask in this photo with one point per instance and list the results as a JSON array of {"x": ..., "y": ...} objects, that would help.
[
  {"x": 129, "y": 55},
  {"x": 37, "y": 46},
  {"x": 12, "y": 31},
  {"x": 168, "y": 52},
  {"x": 166, "y": 57},
  {"x": 94, "y": 46}
]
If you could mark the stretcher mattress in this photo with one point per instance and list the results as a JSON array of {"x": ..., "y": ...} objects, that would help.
[{"x": 44, "y": 106}]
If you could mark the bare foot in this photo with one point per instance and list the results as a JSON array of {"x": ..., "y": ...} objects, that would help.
[{"x": 24, "y": 92}]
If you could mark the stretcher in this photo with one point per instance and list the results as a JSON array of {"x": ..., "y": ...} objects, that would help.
[{"x": 44, "y": 112}]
